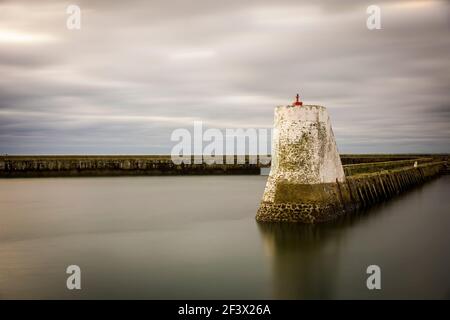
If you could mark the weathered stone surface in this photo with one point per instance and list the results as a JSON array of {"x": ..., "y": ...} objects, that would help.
[
  {"x": 329, "y": 201},
  {"x": 303, "y": 150},
  {"x": 307, "y": 183}
]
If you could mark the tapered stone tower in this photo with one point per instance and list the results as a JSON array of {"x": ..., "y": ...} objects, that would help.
[{"x": 302, "y": 184}]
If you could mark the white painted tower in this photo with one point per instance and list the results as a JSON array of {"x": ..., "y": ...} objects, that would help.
[
  {"x": 303, "y": 148},
  {"x": 304, "y": 156}
]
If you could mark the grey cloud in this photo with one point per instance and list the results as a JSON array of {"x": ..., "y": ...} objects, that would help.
[{"x": 139, "y": 69}]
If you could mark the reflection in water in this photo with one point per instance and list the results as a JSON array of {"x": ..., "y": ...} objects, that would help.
[
  {"x": 305, "y": 258},
  {"x": 301, "y": 260},
  {"x": 329, "y": 261}
]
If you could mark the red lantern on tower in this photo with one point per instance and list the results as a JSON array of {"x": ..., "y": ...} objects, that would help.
[{"x": 297, "y": 102}]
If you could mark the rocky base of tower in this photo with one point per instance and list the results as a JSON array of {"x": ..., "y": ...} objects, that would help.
[
  {"x": 297, "y": 212},
  {"x": 306, "y": 203},
  {"x": 316, "y": 203}
]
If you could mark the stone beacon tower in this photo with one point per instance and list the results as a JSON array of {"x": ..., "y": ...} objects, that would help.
[{"x": 303, "y": 182}]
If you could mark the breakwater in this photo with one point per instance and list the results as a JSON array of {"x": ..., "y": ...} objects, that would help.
[
  {"x": 370, "y": 167},
  {"x": 74, "y": 166},
  {"x": 136, "y": 165},
  {"x": 311, "y": 203}
]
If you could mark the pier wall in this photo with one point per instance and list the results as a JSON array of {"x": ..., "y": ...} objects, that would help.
[
  {"x": 322, "y": 202},
  {"x": 73, "y": 166},
  {"x": 353, "y": 169}
]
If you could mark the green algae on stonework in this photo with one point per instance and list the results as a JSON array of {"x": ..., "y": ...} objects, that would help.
[
  {"x": 296, "y": 154},
  {"x": 322, "y": 135}
]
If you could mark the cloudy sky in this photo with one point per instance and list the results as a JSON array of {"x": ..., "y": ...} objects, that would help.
[{"x": 136, "y": 70}]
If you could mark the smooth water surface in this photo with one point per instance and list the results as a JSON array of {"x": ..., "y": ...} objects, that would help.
[{"x": 196, "y": 237}]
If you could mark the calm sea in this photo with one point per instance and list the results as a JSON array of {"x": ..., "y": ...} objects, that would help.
[{"x": 196, "y": 237}]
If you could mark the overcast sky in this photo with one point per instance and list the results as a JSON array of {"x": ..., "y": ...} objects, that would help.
[{"x": 139, "y": 69}]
